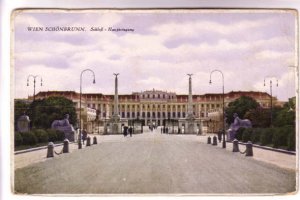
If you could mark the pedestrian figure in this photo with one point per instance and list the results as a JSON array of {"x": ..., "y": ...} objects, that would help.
[
  {"x": 219, "y": 136},
  {"x": 167, "y": 130},
  {"x": 84, "y": 135},
  {"x": 125, "y": 131},
  {"x": 130, "y": 131},
  {"x": 161, "y": 130}
]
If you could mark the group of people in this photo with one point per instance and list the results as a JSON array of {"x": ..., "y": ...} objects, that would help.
[
  {"x": 127, "y": 130},
  {"x": 164, "y": 130}
]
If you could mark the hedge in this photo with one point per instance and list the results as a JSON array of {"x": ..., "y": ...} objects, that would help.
[
  {"x": 239, "y": 133},
  {"x": 29, "y": 138},
  {"x": 18, "y": 139},
  {"x": 246, "y": 136},
  {"x": 38, "y": 136},
  {"x": 275, "y": 137},
  {"x": 266, "y": 136},
  {"x": 279, "y": 138},
  {"x": 41, "y": 135}
]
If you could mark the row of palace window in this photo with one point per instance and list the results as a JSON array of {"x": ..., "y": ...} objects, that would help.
[
  {"x": 148, "y": 115},
  {"x": 157, "y": 96},
  {"x": 153, "y": 106},
  {"x": 159, "y": 115}
]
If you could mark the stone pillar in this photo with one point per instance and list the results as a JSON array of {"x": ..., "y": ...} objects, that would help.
[
  {"x": 116, "y": 99},
  {"x": 190, "y": 100}
]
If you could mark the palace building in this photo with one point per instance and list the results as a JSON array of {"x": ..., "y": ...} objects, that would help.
[{"x": 152, "y": 107}]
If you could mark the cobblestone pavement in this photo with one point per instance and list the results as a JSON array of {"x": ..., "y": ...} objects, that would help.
[{"x": 153, "y": 163}]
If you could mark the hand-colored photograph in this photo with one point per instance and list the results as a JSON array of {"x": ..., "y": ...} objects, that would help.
[{"x": 154, "y": 102}]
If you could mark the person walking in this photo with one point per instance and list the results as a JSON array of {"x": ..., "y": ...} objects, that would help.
[
  {"x": 130, "y": 131},
  {"x": 84, "y": 135}
]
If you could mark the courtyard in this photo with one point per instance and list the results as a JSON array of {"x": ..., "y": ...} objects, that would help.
[{"x": 154, "y": 163}]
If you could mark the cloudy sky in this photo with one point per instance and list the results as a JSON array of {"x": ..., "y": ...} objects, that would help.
[{"x": 164, "y": 46}]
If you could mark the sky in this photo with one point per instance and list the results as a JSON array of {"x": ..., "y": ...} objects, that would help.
[{"x": 247, "y": 46}]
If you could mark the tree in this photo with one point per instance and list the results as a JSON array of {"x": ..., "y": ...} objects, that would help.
[
  {"x": 259, "y": 117},
  {"x": 43, "y": 112},
  {"x": 286, "y": 115},
  {"x": 240, "y": 106}
]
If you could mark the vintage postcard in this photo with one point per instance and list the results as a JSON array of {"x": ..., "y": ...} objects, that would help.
[{"x": 155, "y": 102}]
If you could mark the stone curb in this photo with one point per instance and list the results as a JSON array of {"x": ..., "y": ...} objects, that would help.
[
  {"x": 38, "y": 148},
  {"x": 269, "y": 148}
]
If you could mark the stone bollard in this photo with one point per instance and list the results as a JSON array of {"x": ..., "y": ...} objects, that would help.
[
  {"x": 215, "y": 141},
  {"x": 249, "y": 150},
  {"x": 235, "y": 146},
  {"x": 50, "y": 151},
  {"x": 209, "y": 140},
  {"x": 88, "y": 141},
  {"x": 66, "y": 146},
  {"x": 95, "y": 140}
]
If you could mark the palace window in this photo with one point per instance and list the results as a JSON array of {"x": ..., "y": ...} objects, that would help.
[
  {"x": 153, "y": 114},
  {"x": 164, "y": 115},
  {"x": 133, "y": 115},
  {"x": 158, "y": 95},
  {"x": 174, "y": 114},
  {"x": 183, "y": 114},
  {"x": 178, "y": 114},
  {"x": 143, "y": 114},
  {"x": 123, "y": 114},
  {"x": 128, "y": 114},
  {"x": 148, "y": 114},
  {"x": 164, "y": 96}
]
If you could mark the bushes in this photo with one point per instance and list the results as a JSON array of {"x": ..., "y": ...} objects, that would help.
[
  {"x": 266, "y": 136},
  {"x": 291, "y": 139},
  {"x": 38, "y": 136},
  {"x": 52, "y": 135},
  {"x": 255, "y": 137},
  {"x": 278, "y": 137},
  {"x": 239, "y": 133},
  {"x": 42, "y": 135},
  {"x": 18, "y": 139},
  {"x": 29, "y": 138},
  {"x": 247, "y": 134}
]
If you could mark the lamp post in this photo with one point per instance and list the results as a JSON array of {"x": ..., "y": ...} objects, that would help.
[
  {"x": 79, "y": 138},
  {"x": 215, "y": 70},
  {"x": 34, "y": 81},
  {"x": 271, "y": 99}
]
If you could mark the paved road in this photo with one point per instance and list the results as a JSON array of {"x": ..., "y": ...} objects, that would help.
[{"x": 155, "y": 164}]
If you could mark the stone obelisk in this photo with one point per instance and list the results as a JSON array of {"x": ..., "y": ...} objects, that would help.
[
  {"x": 190, "y": 114},
  {"x": 115, "y": 119},
  {"x": 116, "y": 98}
]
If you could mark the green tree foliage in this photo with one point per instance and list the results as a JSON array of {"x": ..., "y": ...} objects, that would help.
[
  {"x": 286, "y": 115},
  {"x": 259, "y": 117},
  {"x": 18, "y": 139},
  {"x": 247, "y": 133},
  {"x": 29, "y": 138},
  {"x": 240, "y": 106},
  {"x": 239, "y": 133},
  {"x": 41, "y": 135},
  {"x": 43, "y": 112}
]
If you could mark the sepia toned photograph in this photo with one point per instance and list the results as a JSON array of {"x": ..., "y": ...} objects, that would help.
[{"x": 154, "y": 102}]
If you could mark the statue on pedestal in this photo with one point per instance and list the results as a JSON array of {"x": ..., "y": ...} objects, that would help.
[
  {"x": 237, "y": 123},
  {"x": 64, "y": 126}
]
